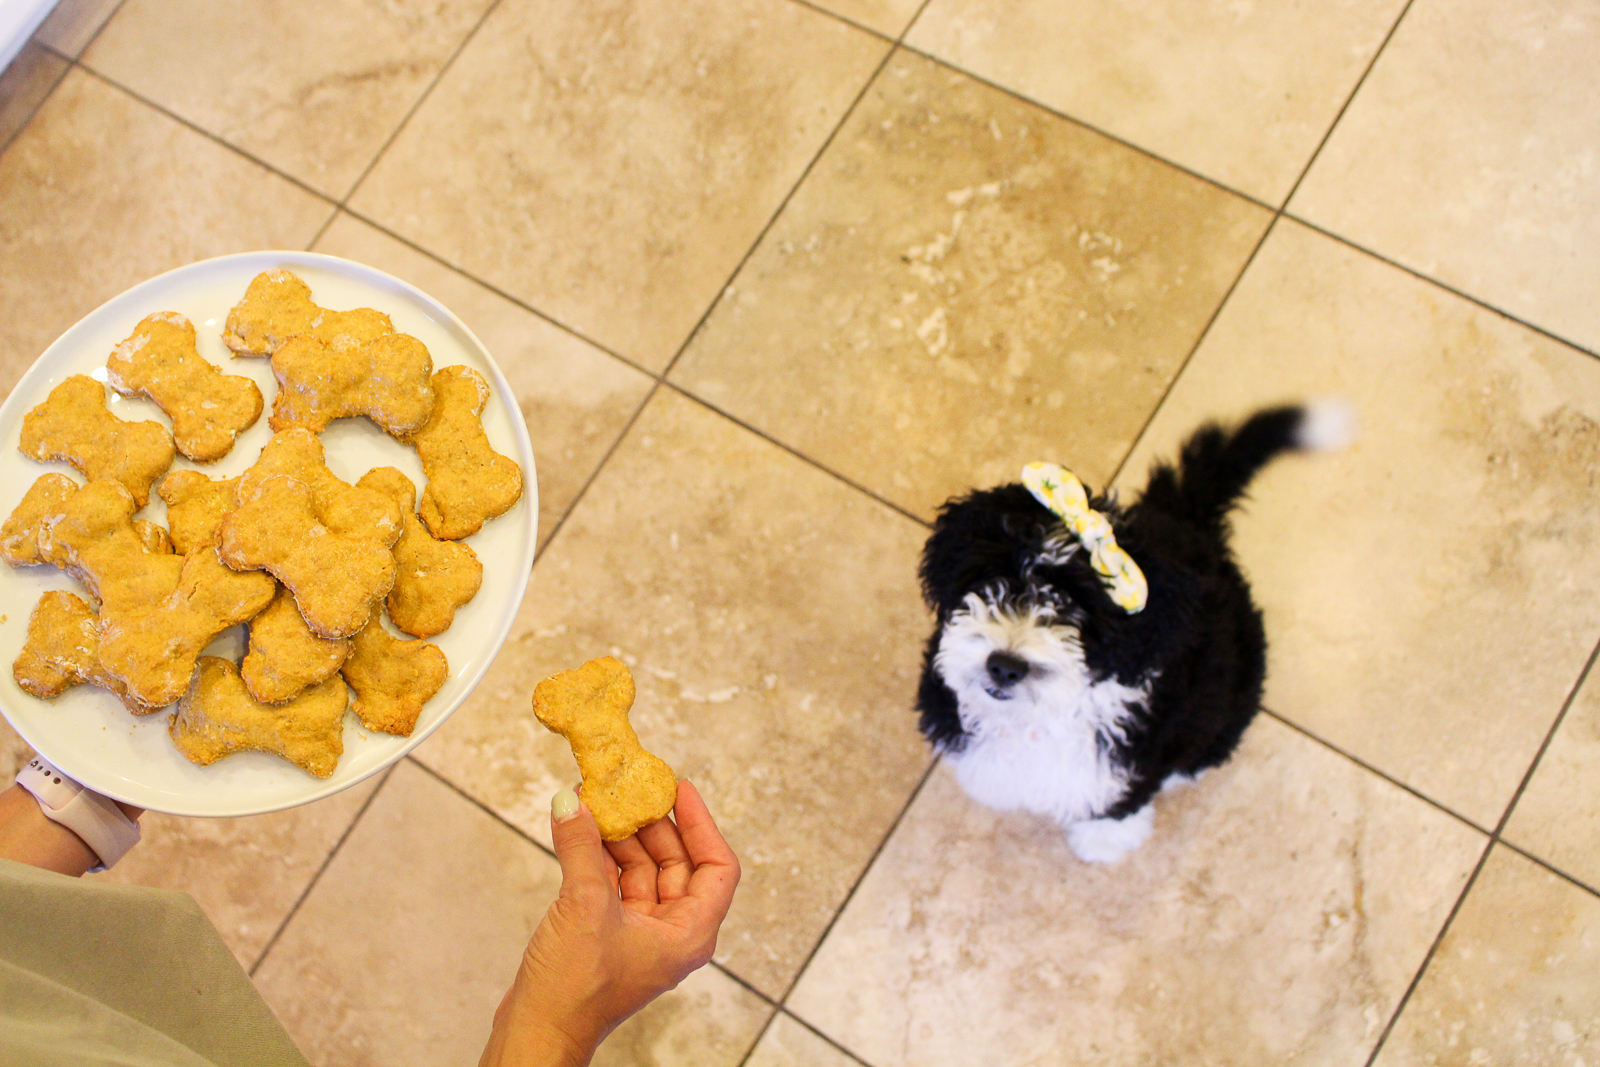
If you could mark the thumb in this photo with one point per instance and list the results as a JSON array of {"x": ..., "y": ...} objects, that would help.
[{"x": 578, "y": 848}]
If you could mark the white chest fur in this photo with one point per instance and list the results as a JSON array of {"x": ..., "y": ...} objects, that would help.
[{"x": 1043, "y": 754}]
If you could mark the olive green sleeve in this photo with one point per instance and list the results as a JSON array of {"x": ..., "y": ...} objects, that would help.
[{"x": 96, "y": 973}]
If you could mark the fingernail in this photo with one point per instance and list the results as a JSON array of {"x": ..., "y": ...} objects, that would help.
[{"x": 564, "y": 805}]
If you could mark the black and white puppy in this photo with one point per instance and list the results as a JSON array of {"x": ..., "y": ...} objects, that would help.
[{"x": 1043, "y": 694}]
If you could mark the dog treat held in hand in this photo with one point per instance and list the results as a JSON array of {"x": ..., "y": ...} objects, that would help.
[
  {"x": 218, "y": 717},
  {"x": 387, "y": 379},
  {"x": 392, "y": 678},
  {"x": 19, "y": 537},
  {"x": 208, "y": 409},
  {"x": 151, "y": 646},
  {"x": 336, "y": 578},
  {"x": 63, "y": 650},
  {"x": 74, "y": 426},
  {"x": 469, "y": 483},
  {"x": 285, "y": 656},
  {"x": 195, "y": 507},
  {"x": 432, "y": 578},
  {"x": 278, "y": 306},
  {"x": 624, "y": 786}
]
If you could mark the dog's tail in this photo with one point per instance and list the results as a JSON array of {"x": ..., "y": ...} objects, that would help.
[{"x": 1216, "y": 465}]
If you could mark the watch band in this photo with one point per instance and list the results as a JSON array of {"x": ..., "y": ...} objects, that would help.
[{"x": 95, "y": 819}]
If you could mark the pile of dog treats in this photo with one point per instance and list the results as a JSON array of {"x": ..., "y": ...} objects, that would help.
[{"x": 308, "y": 560}]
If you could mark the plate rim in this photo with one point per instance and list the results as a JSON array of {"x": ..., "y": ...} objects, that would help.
[{"x": 287, "y": 259}]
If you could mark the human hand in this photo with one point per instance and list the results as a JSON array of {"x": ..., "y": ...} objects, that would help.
[{"x": 633, "y": 919}]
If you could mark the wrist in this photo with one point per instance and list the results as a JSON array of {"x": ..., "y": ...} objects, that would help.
[
  {"x": 536, "y": 1028},
  {"x": 105, "y": 828}
]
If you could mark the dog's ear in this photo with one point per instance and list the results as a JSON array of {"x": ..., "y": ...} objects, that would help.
[
  {"x": 939, "y": 710},
  {"x": 987, "y": 536}
]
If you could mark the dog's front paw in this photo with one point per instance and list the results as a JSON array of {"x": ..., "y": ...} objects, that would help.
[{"x": 1108, "y": 840}]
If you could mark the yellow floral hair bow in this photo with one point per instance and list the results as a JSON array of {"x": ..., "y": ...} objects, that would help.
[{"x": 1059, "y": 490}]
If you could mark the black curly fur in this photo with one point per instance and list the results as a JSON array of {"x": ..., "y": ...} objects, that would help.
[{"x": 1199, "y": 636}]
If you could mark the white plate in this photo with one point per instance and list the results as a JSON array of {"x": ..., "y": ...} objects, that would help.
[{"x": 86, "y": 732}]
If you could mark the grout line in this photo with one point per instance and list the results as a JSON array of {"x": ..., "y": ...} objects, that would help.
[
  {"x": 1476, "y": 301},
  {"x": 315, "y": 878},
  {"x": 1552, "y": 868},
  {"x": 48, "y": 93},
  {"x": 481, "y": 806},
  {"x": 810, "y": 462},
  {"x": 422, "y": 98},
  {"x": 783, "y": 205},
  {"x": 1494, "y": 839},
  {"x": 1364, "y": 765},
  {"x": 1199, "y": 340},
  {"x": 207, "y": 134},
  {"x": 497, "y": 291},
  {"x": 1081, "y": 124},
  {"x": 1348, "y": 100},
  {"x": 835, "y": 16},
  {"x": 839, "y": 911},
  {"x": 786, "y": 1012}
]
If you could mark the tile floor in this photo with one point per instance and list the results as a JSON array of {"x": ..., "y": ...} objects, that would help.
[{"x": 771, "y": 280}]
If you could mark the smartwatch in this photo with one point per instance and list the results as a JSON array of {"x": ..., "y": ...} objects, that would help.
[{"x": 95, "y": 819}]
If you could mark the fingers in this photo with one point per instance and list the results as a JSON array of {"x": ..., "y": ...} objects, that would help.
[
  {"x": 665, "y": 845},
  {"x": 716, "y": 868},
  {"x": 585, "y": 867},
  {"x": 638, "y": 872}
]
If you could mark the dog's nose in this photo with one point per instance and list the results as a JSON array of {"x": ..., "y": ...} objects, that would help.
[{"x": 1006, "y": 669}]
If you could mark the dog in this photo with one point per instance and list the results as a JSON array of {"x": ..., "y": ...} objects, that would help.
[{"x": 1087, "y": 656}]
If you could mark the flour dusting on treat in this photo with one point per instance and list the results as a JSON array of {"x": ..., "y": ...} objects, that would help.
[
  {"x": 19, "y": 537},
  {"x": 625, "y": 787},
  {"x": 285, "y": 657},
  {"x": 208, "y": 409},
  {"x": 278, "y": 306},
  {"x": 392, "y": 678},
  {"x": 73, "y": 426},
  {"x": 218, "y": 717}
]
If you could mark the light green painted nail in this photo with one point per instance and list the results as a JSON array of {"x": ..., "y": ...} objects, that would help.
[{"x": 564, "y": 805}]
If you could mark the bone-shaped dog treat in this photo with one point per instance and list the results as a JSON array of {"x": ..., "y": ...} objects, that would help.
[
  {"x": 624, "y": 786},
  {"x": 387, "y": 380},
  {"x": 63, "y": 650},
  {"x": 19, "y": 537},
  {"x": 208, "y": 409},
  {"x": 278, "y": 306},
  {"x": 469, "y": 483},
  {"x": 392, "y": 678},
  {"x": 285, "y": 656},
  {"x": 196, "y": 506},
  {"x": 73, "y": 425},
  {"x": 151, "y": 646},
  {"x": 218, "y": 717},
  {"x": 342, "y": 507},
  {"x": 91, "y": 534},
  {"x": 335, "y": 577},
  {"x": 432, "y": 578}
]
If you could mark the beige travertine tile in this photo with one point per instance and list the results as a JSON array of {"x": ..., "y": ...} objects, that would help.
[
  {"x": 1513, "y": 981},
  {"x": 73, "y": 24},
  {"x": 886, "y": 16},
  {"x": 772, "y": 620},
  {"x": 576, "y": 398},
  {"x": 963, "y": 284},
  {"x": 1240, "y": 92},
  {"x": 609, "y": 163},
  {"x": 100, "y": 192},
  {"x": 246, "y": 874},
  {"x": 1557, "y": 817},
  {"x": 24, "y": 85},
  {"x": 1276, "y": 916},
  {"x": 1470, "y": 155},
  {"x": 788, "y": 1044},
  {"x": 403, "y": 949},
  {"x": 315, "y": 90},
  {"x": 1431, "y": 595}
]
